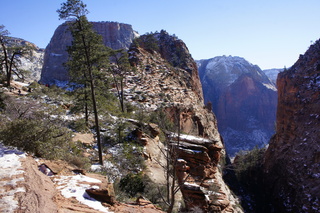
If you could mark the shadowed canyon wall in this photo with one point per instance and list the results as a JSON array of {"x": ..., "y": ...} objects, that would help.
[{"x": 292, "y": 160}]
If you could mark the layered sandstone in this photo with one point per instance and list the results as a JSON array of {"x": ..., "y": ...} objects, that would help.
[
  {"x": 292, "y": 160},
  {"x": 160, "y": 83},
  {"x": 115, "y": 35}
]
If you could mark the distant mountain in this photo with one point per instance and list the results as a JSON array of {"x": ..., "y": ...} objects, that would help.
[
  {"x": 243, "y": 99},
  {"x": 272, "y": 74}
]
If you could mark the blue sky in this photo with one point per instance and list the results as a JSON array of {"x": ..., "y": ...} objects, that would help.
[{"x": 269, "y": 33}]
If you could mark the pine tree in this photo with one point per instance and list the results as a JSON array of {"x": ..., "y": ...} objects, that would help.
[{"x": 87, "y": 57}]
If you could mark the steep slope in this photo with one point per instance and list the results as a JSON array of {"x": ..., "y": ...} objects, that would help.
[
  {"x": 243, "y": 99},
  {"x": 163, "y": 84},
  {"x": 115, "y": 35},
  {"x": 164, "y": 76},
  {"x": 292, "y": 160}
]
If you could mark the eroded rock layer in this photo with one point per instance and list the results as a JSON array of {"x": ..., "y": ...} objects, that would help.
[{"x": 162, "y": 82}]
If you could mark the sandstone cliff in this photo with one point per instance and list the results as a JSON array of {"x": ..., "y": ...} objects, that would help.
[
  {"x": 292, "y": 160},
  {"x": 115, "y": 35},
  {"x": 162, "y": 82},
  {"x": 243, "y": 99}
]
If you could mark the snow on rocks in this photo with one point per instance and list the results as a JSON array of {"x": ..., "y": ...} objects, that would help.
[
  {"x": 10, "y": 175},
  {"x": 75, "y": 186}
]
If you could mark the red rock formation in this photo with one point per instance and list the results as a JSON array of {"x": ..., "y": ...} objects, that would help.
[
  {"x": 292, "y": 165},
  {"x": 165, "y": 83}
]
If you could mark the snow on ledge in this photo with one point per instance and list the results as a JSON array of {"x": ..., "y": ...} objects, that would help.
[
  {"x": 75, "y": 186},
  {"x": 191, "y": 138}
]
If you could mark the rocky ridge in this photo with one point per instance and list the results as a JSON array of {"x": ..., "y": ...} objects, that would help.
[
  {"x": 162, "y": 80},
  {"x": 115, "y": 35},
  {"x": 243, "y": 99},
  {"x": 157, "y": 83},
  {"x": 292, "y": 160}
]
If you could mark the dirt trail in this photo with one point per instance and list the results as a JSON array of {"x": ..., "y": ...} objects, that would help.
[
  {"x": 42, "y": 196},
  {"x": 40, "y": 190}
]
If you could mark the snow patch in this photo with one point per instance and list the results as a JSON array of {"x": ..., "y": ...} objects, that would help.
[
  {"x": 270, "y": 86},
  {"x": 10, "y": 167},
  {"x": 75, "y": 186}
]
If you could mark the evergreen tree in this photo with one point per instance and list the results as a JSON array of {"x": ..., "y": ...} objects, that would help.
[{"x": 87, "y": 57}]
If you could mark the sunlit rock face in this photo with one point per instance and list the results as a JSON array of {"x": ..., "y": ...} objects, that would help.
[
  {"x": 166, "y": 77},
  {"x": 31, "y": 63},
  {"x": 292, "y": 160},
  {"x": 115, "y": 35},
  {"x": 243, "y": 99}
]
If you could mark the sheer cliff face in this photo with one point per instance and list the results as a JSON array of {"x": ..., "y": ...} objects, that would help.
[
  {"x": 115, "y": 35},
  {"x": 292, "y": 160},
  {"x": 161, "y": 83},
  {"x": 243, "y": 99}
]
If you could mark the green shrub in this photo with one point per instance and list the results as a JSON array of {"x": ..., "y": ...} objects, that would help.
[
  {"x": 248, "y": 166},
  {"x": 130, "y": 158},
  {"x": 132, "y": 184},
  {"x": 79, "y": 125},
  {"x": 2, "y": 98},
  {"x": 160, "y": 118},
  {"x": 39, "y": 137},
  {"x": 78, "y": 160}
]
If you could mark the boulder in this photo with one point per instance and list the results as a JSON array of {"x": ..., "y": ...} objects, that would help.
[{"x": 101, "y": 195}]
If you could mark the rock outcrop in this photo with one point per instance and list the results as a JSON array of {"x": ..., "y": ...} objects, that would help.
[
  {"x": 32, "y": 63},
  {"x": 243, "y": 99},
  {"x": 161, "y": 83},
  {"x": 115, "y": 35},
  {"x": 292, "y": 160}
]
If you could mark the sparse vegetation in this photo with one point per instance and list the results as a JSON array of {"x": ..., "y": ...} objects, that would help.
[
  {"x": 148, "y": 42},
  {"x": 40, "y": 137},
  {"x": 249, "y": 173},
  {"x": 249, "y": 163},
  {"x": 132, "y": 184}
]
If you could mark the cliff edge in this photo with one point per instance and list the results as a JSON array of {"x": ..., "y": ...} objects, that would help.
[{"x": 292, "y": 160}]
